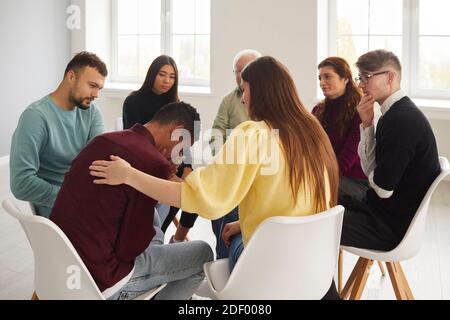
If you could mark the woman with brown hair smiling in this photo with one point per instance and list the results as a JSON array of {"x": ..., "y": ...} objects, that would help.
[{"x": 338, "y": 116}]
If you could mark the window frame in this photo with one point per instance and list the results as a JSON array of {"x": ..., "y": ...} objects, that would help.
[
  {"x": 166, "y": 46},
  {"x": 410, "y": 49}
]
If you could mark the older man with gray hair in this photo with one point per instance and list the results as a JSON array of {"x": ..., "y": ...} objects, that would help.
[{"x": 231, "y": 111}]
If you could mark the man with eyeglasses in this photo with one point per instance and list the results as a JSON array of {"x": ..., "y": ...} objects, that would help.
[{"x": 400, "y": 157}]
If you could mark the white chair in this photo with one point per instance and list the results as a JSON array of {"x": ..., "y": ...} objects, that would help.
[
  {"x": 286, "y": 258},
  {"x": 57, "y": 263},
  {"x": 407, "y": 248},
  {"x": 26, "y": 207},
  {"x": 29, "y": 208}
]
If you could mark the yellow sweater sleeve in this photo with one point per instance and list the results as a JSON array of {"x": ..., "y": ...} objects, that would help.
[{"x": 216, "y": 189}]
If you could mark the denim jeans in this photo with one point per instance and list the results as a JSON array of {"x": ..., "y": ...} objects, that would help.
[
  {"x": 161, "y": 212},
  {"x": 236, "y": 248},
  {"x": 217, "y": 226},
  {"x": 180, "y": 265}
]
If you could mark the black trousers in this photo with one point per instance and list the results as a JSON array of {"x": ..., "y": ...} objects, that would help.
[
  {"x": 187, "y": 219},
  {"x": 362, "y": 227},
  {"x": 332, "y": 293}
]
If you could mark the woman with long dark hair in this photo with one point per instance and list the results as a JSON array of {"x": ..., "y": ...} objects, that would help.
[
  {"x": 280, "y": 163},
  {"x": 159, "y": 88},
  {"x": 338, "y": 116}
]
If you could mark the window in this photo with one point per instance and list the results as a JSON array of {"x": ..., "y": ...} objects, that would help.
[
  {"x": 145, "y": 29},
  {"x": 433, "y": 46},
  {"x": 416, "y": 30}
]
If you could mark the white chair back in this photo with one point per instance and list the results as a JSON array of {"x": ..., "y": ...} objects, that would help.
[
  {"x": 412, "y": 241},
  {"x": 286, "y": 258},
  {"x": 59, "y": 272}
]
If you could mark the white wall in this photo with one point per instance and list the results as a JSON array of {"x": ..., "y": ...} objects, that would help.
[
  {"x": 285, "y": 29},
  {"x": 35, "y": 48},
  {"x": 441, "y": 129}
]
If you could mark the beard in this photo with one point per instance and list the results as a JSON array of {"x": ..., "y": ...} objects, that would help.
[{"x": 82, "y": 103}]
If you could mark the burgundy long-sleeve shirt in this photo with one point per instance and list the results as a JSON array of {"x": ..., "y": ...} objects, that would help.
[
  {"x": 109, "y": 226},
  {"x": 345, "y": 147}
]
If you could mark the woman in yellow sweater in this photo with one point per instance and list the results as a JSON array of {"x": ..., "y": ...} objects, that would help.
[{"x": 279, "y": 164}]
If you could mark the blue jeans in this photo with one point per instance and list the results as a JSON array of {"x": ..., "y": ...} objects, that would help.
[
  {"x": 217, "y": 226},
  {"x": 236, "y": 248},
  {"x": 180, "y": 265}
]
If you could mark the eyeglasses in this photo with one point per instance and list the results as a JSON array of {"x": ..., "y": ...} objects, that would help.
[{"x": 364, "y": 78}]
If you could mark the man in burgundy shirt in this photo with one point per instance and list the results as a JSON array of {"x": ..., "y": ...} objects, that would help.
[{"x": 111, "y": 226}]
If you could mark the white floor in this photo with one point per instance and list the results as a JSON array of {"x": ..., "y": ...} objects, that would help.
[{"x": 428, "y": 273}]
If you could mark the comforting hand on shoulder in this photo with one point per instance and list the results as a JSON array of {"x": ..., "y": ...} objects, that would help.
[{"x": 113, "y": 172}]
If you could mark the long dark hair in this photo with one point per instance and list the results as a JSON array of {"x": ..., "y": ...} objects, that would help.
[
  {"x": 152, "y": 72},
  {"x": 350, "y": 99},
  {"x": 274, "y": 99}
]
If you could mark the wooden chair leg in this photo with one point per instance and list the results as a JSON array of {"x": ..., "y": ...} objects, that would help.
[
  {"x": 345, "y": 293},
  {"x": 340, "y": 269},
  {"x": 361, "y": 279},
  {"x": 380, "y": 264},
  {"x": 397, "y": 280},
  {"x": 34, "y": 296},
  {"x": 406, "y": 287}
]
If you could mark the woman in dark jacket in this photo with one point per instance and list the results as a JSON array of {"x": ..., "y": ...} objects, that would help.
[{"x": 160, "y": 88}]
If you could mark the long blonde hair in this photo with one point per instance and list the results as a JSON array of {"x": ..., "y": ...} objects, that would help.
[{"x": 308, "y": 151}]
